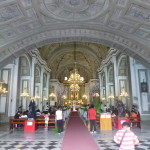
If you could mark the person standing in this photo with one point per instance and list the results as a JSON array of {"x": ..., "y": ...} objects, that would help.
[
  {"x": 92, "y": 118},
  {"x": 59, "y": 119},
  {"x": 32, "y": 113},
  {"x": 46, "y": 118},
  {"x": 126, "y": 138}
]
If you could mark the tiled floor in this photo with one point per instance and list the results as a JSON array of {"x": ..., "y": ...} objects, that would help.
[
  {"x": 40, "y": 140},
  {"x": 48, "y": 140}
]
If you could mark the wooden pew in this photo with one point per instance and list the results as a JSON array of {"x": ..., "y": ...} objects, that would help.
[
  {"x": 135, "y": 121},
  {"x": 40, "y": 121},
  {"x": 17, "y": 122}
]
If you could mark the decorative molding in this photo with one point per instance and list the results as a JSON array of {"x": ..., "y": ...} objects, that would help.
[
  {"x": 104, "y": 38},
  {"x": 139, "y": 12},
  {"x": 74, "y": 10},
  {"x": 9, "y": 13}
]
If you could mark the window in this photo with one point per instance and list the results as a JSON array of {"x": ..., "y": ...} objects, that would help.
[
  {"x": 123, "y": 67},
  {"x": 24, "y": 66},
  {"x": 37, "y": 75},
  {"x": 111, "y": 75}
]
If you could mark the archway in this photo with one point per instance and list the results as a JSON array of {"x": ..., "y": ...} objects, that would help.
[{"x": 128, "y": 46}]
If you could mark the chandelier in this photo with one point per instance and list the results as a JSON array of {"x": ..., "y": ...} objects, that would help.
[
  {"x": 52, "y": 95},
  {"x": 37, "y": 97},
  {"x": 24, "y": 94},
  {"x": 84, "y": 96},
  {"x": 123, "y": 93},
  {"x": 75, "y": 79},
  {"x": 111, "y": 96},
  {"x": 64, "y": 97},
  {"x": 74, "y": 87},
  {"x": 96, "y": 94},
  {"x": 45, "y": 99},
  {"x": 2, "y": 90}
]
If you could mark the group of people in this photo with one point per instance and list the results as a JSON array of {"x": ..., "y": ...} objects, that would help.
[
  {"x": 57, "y": 112},
  {"x": 125, "y": 138}
]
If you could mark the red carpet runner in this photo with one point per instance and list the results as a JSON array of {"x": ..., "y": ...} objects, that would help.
[{"x": 77, "y": 137}]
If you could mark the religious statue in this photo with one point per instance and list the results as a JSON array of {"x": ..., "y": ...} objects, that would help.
[
  {"x": 32, "y": 112},
  {"x": 121, "y": 109}
]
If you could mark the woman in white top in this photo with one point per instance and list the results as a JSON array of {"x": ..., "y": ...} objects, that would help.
[{"x": 59, "y": 119}]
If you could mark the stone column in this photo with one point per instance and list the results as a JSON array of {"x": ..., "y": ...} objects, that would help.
[
  {"x": 32, "y": 75},
  {"x": 116, "y": 92},
  {"x": 106, "y": 87},
  {"x": 41, "y": 88},
  {"x": 13, "y": 89},
  {"x": 100, "y": 84},
  {"x": 47, "y": 88}
]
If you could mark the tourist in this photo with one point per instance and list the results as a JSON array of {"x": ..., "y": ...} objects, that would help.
[
  {"x": 24, "y": 115},
  {"x": 17, "y": 115},
  {"x": 59, "y": 119},
  {"x": 92, "y": 118},
  {"x": 126, "y": 138},
  {"x": 46, "y": 118},
  {"x": 38, "y": 113},
  {"x": 127, "y": 114}
]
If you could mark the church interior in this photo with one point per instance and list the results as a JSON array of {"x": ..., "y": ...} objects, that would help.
[{"x": 74, "y": 53}]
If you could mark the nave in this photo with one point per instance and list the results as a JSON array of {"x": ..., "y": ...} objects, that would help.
[{"x": 48, "y": 140}]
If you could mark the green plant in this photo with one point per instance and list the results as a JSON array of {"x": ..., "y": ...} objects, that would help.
[
  {"x": 98, "y": 107},
  {"x": 56, "y": 129}
]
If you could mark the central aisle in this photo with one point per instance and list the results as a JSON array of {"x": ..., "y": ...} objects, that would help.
[{"x": 77, "y": 137}]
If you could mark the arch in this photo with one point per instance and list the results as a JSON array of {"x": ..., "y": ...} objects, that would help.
[
  {"x": 103, "y": 80},
  {"x": 110, "y": 74},
  {"x": 59, "y": 50},
  {"x": 128, "y": 46},
  {"x": 37, "y": 74},
  {"x": 44, "y": 80},
  {"x": 123, "y": 66},
  {"x": 24, "y": 66}
]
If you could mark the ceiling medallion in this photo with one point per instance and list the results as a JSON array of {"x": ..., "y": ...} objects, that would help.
[{"x": 74, "y": 10}]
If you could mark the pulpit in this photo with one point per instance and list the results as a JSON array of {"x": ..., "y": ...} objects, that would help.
[{"x": 105, "y": 121}]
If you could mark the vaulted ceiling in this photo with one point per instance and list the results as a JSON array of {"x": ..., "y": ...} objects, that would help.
[
  {"x": 61, "y": 58},
  {"x": 29, "y": 24}
]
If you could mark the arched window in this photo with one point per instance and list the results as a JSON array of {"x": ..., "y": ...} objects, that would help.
[
  {"x": 111, "y": 75},
  {"x": 37, "y": 75},
  {"x": 123, "y": 67},
  {"x": 24, "y": 66}
]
